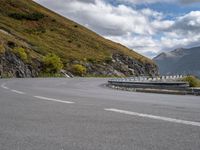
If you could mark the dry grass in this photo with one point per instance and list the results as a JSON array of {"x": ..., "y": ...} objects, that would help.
[{"x": 56, "y": 34}]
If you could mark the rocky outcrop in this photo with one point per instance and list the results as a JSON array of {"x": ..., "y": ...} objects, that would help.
[
  {"x": 122, "y": 65},
  {"x": 12, "y": 66}
]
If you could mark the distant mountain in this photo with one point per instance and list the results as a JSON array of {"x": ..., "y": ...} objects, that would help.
[
  {"x": 179, "y": 61},
  {"x": 28, "y": 29}
]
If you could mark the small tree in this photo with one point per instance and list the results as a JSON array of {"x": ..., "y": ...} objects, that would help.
[
  {"x": 52, "y": 63},
  {"x": 78, "y": 69}
]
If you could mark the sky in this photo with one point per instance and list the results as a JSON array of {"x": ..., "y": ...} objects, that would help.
[{"x": 146, "y": 26}]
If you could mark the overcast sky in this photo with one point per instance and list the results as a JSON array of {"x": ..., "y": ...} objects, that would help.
[{"x": 147, "y": 26}]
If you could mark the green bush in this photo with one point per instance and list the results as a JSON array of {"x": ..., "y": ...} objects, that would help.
[
  {"x": 6, "y": 75},
  {"x": 78, "y": 69},
  {"x": 21, "y": 53},
  {"x": 192, "y": 80},
  {"x": 52, "y": 63},
  {"x": 33, "y": 16}
]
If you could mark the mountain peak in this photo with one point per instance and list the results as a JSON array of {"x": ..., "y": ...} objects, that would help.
[
  {"x": 178, "y": 51},
  {"x": 160, "y": 56},
  {"x": 179, "y": 61},
  {"x": 164, "y": 55}
]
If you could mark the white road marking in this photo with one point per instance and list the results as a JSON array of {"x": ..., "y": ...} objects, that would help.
[
  {"x": 18, "y": 92},
  {"x": 3, "y": 86},
  {"x": 185, "y": 122},
  {"x": 52, "y": 99}
]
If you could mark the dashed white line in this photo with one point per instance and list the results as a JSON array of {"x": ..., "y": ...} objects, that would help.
[
  {"x": 185, "y": 122},
  {"x": 4, "y": 87},
  {"x": 52, "y": 99},
  {"x": 18, "y": 92},
  {"x": 15, "y": 91}
]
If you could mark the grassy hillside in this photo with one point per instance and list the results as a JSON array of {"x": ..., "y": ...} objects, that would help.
[{"x": 41, "y": 31}]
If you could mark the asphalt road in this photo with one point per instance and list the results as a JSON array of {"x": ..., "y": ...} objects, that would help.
[{"x": 82, "y": 114}]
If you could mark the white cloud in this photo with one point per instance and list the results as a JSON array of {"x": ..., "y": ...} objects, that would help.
[
  {"x": 187, "y": 24},
  {"x": 143, "y": 44},
  {"x": 152, "y": 14},
  {"x": 144, "y": 30},
  {"x": 161, "y": 25},
  {"x": 107, "y": 19}
]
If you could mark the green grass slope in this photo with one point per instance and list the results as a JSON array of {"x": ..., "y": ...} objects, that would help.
[{"x": 42, "y": 31}]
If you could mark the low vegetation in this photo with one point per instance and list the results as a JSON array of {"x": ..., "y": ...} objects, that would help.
[
  {"x": 52, "y": 64},
  {"x": 78, "y": 69},
  {"x": 21, "y": 53},
  {"x": 6, "y": 75},
  {"x": 192, "y": 80},
  {"x": 32, "y": 16}
]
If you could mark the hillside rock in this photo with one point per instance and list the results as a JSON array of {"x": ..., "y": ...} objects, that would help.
[
  {"x": 122, "y": 65},
  {"x": 12, "y": 66}
]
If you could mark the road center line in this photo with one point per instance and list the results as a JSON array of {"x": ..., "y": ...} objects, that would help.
[
  {"x": 52, "y": 99},
  {"x": 18, "y": 92},
  {"x": 185, "y": 122}
]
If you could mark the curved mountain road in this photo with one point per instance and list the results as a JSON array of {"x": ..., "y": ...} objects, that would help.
[{"x": 83, "y": 114}]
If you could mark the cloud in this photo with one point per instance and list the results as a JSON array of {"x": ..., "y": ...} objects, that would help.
[
  {"x": 143, "y": 44},
  {"x": 107, "y": 19},
  {"x": 103, "y": 17},
  {"x": 183, "y": 32},
  {"x": 187, "y": 24},
  {"x": 144, "y": 30}
]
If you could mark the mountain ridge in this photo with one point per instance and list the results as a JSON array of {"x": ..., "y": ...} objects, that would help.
[{"x": 179, "y": 61}]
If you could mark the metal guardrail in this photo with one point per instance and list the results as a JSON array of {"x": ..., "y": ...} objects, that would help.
[
  {"x": 171, "y": 83},
  {"x": 164, "y": 82},
  {"x": 149, "y": 79}
]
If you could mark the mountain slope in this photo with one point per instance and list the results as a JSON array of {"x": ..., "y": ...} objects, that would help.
[
  {"x": 39, "y": 31},
  {"x": 180, "y": 61}
]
